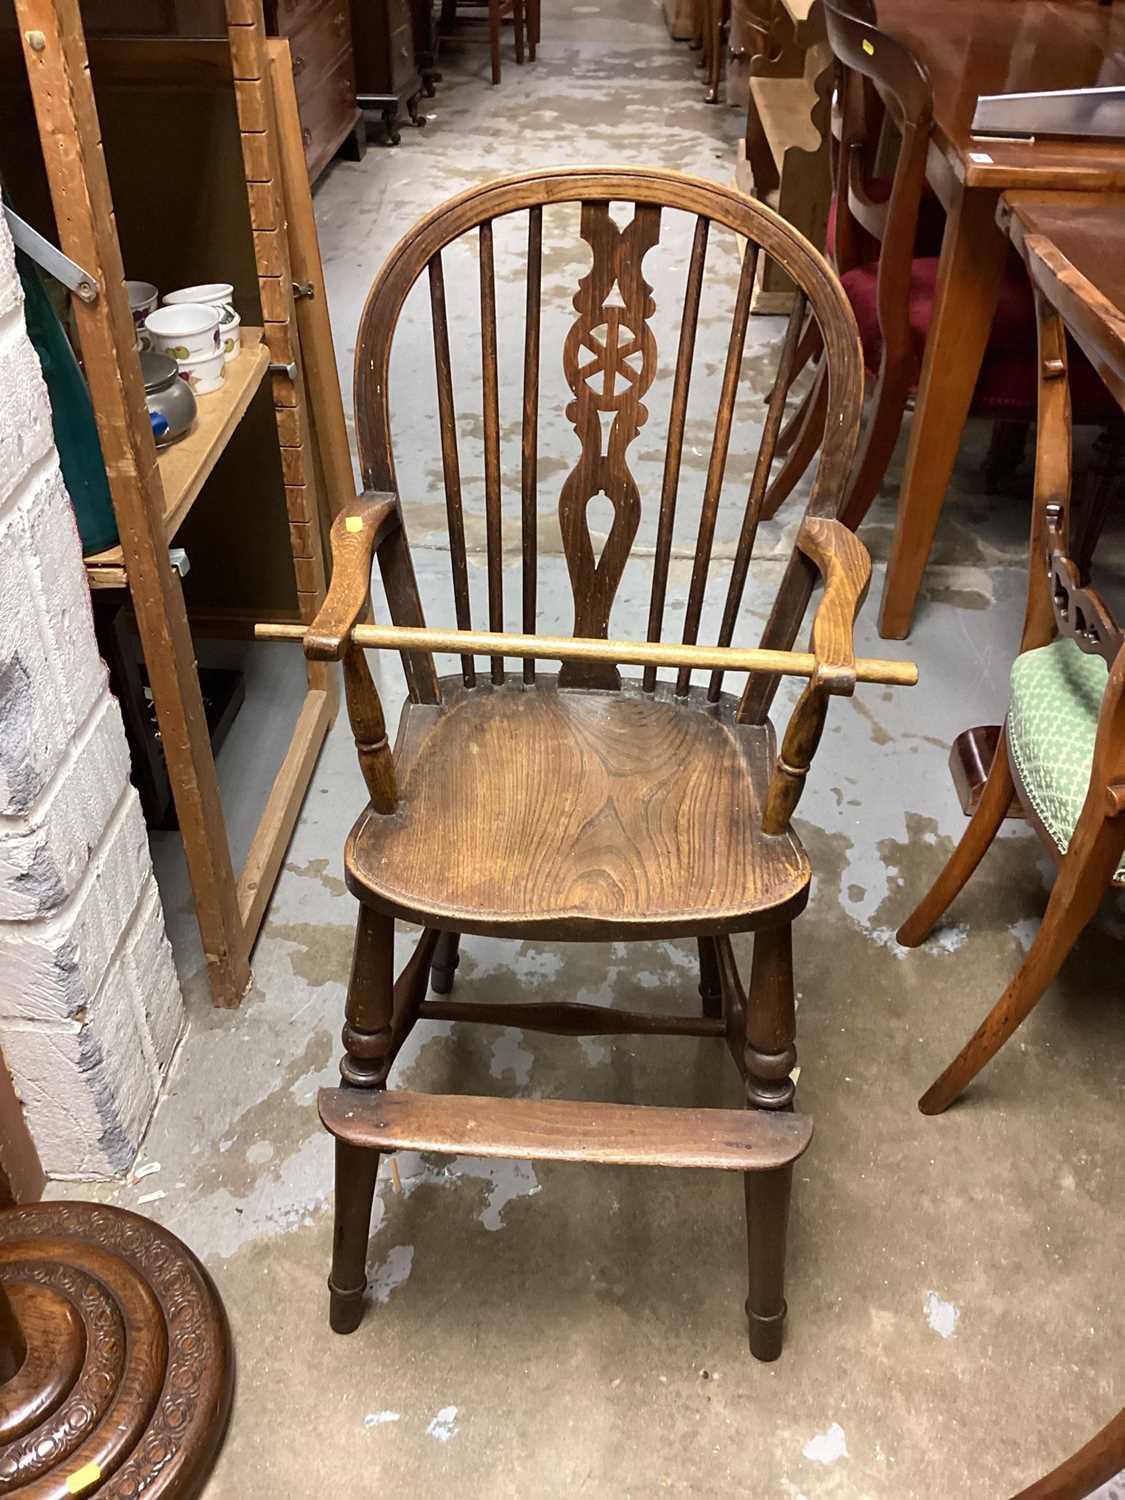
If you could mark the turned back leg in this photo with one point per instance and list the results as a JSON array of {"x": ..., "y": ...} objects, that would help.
[
  {"x": 710, "y": 985},
  {"x": 445, "y": 962},
  {"x": 366, "y": 1062},
  {"x": 768, "y": 1058}
]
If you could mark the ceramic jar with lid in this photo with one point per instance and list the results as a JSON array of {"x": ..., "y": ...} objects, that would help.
[{"x": 170, "y": 400}]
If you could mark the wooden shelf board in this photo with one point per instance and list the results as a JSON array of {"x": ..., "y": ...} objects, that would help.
[
  {"x": 185, "y": 464},
  {"x": 785, "y": 106}
]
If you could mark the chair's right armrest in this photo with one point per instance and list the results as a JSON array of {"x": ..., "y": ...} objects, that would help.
[{"x": 357, "y": 533}]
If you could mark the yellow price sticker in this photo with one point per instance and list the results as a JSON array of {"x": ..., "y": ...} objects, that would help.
[
  {"x": 353, "y": 523},
  {"x": 869, "y": 47},
  {"x": 82, "y": 1479}
]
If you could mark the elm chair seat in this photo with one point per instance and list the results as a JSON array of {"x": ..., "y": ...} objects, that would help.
[
  {"x": 1057, "y": 694},
  {"x": 1008, "y": 383},
  {"x": 601, "y": 810}
]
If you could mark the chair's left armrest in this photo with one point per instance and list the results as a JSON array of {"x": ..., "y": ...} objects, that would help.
[
  {"x": 845, "y": 565},
  {"x": 843, "y": 562},
  {"x": 356, "y": 535}
]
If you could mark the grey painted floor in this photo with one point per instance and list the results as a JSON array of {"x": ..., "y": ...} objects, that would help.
[{"x": 955, "y": 1296}]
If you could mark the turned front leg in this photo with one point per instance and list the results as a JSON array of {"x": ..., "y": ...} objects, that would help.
[
  {"x": 768, "y": 1057},
  {"x": 367, "y": 1038},
  {"x": 802, "y": 736}
]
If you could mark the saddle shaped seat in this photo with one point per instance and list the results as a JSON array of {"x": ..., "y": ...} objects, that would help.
[{"x": 530, "y": 810}]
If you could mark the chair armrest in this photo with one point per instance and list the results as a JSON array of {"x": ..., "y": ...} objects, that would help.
[
  {"x": 357, "y": 532},
  {"x": 845, "y": 565}
]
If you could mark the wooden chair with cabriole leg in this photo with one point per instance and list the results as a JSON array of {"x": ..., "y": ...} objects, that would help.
[
  {"x": 1062, "y": 750},
  {"x": 587, "y": 806},
  {"x": 885, "y": 240}
]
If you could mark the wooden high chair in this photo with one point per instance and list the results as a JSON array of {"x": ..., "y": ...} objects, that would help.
[{"x": 587, "y": 806}]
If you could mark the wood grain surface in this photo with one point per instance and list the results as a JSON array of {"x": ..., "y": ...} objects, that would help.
[
  {"x": 635, "y": 1135},
  {"x": 578, "y": 814}
]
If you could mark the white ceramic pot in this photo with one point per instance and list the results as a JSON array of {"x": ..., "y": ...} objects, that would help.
[
  {"x": 185, "y": 331},
  {"x": 217, "y": 294},
  {"x": 143, "y": 297},
  {"x": 231, "y": 335},
  {"x": 203, "y": 372}
]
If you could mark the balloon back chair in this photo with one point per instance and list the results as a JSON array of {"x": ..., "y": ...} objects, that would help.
[
  {"x": 1062, "y": 749},
  {"x": 587, "y": 805},
  {"x": 885, "y": 245}
]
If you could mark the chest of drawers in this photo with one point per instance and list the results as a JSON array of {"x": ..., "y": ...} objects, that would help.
[
  {"x": 320, "y": 39},
  {"x": 387, "y": 75}
]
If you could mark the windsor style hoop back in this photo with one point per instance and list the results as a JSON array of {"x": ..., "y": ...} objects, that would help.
[{"x": 591, "y": 804}]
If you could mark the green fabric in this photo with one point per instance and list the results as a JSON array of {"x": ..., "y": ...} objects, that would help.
[{"x": 1057, "y": 694}]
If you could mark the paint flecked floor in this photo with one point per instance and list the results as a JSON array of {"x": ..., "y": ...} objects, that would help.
[{"x": 956, "y": 1318}]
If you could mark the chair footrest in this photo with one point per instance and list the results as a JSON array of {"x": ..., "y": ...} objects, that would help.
[{"x": 739, "y": 1140}]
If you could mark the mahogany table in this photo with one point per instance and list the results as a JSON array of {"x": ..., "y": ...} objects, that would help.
[
  {"x": 1073, "y": 245},
  {"x": 972, "y": 47}
]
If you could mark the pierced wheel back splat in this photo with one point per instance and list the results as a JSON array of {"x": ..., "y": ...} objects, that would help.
[{"x": 610, "y": 361}]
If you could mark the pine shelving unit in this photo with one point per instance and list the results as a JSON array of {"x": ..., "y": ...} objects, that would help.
[{"x": 249, "y": 481}]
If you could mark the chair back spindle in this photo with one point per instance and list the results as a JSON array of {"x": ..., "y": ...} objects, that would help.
[{"x": 610, "y": 362}]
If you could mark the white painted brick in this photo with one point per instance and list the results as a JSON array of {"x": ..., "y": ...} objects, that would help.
[
  {"x": 49, "y": 969},
  {"x": 10, "y": 291},
  {"x": 86, "y": 1120},
  {"x": 152, "y": 975},
  {"x": 62, "y": 595},
  {"x": 25, "y": 413},
  {"x": 44, "y": 853},
  {"x": 90, "y": 1008},
  {"x": 32, "y": 733}
]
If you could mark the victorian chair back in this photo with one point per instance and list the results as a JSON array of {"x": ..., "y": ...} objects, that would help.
[{"x": 892, "y": 290}]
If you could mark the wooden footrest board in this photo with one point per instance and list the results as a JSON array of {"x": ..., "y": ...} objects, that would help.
[{"x": 636, "y": 1135}]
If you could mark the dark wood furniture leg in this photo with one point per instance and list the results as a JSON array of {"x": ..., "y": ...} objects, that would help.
[
  {"x": 888, "y": 406},
  {"x": 768, "y": 1059},
  {"x": 519, "y": 27},
  {"x": 366, "y": 1063},
  {"x": 710, "y": 981},
  {"x": 972, "y": 264},
  {"x": 445, "y": 963},
  {"x": 1086, "y": 872},
  {"x": 995, "y": 799},
  {"x": 494, "y": 37},
  {"x": 532, "y": 28}
]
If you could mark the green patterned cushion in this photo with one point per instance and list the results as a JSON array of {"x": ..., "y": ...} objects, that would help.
[{"x": 1057, "y": 694}]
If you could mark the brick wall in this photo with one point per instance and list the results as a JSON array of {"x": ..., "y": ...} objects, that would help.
[{"x": 90, "y": 1008}]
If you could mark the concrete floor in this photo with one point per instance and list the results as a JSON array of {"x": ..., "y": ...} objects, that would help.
[{"x": 954, "y": 1284}]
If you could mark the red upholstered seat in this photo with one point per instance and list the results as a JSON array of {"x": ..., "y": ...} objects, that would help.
[{"x": 1008, "y": 383}]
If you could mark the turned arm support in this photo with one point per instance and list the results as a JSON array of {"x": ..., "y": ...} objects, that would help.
[
  {"x": 843, "y": 562},
  {"x": 356, "y": 534}
]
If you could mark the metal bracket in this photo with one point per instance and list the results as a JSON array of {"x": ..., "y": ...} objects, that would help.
[
  {"x": 303, "y": 289},
  {"x": 290, "y": 369},
  {"x": 51, "y": 258}
]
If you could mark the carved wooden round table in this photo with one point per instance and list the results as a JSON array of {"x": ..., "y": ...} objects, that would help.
[{"x": 116, "y": 1370}]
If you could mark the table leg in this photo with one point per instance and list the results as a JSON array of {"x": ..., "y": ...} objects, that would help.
[{"x": 972, "y": 264}]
